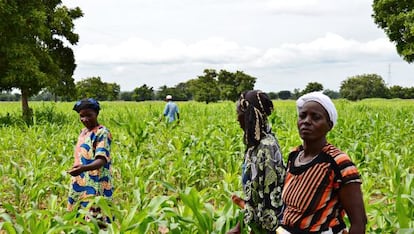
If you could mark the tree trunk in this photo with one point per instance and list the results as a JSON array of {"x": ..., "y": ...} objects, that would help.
[{"x": 27, "y": 111}]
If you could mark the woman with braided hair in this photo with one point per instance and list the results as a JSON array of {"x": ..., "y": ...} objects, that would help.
[{"x": 263, "y": 171}]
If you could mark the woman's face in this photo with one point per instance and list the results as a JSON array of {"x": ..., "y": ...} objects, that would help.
[
  {"x": 313, "y": 122},
  {"x": 89, "y": 118}
]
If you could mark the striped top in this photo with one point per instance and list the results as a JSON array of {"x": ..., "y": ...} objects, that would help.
[{"x": 311, "y": 191}]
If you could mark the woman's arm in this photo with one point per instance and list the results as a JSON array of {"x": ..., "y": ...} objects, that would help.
[
  {"x": 350, "y": 196},
  {"x": 96, "y": 164}
]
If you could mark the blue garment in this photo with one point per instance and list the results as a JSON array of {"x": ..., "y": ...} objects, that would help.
[{"x": 170, "y": 110}]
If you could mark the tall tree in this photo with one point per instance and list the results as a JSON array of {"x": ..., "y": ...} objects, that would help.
[
  {"x": 182, "y": 92},
  {"x": 285, "y": 94},
  {"x": 396, "y": 18},
  {"x": 312, "y": 87},
  {"x": 113, "y": 91},
  {"x": 94, "y": 87},
  {"x": 363, "y": 86},
  {"x": 231, "y": 85},
  {"x": 243, "y": 82},
  {"x": 143, "y": 93},
  {"x": 31, "y": 46},
  {"x": 227, "y": 85},
  {"x": 205, "y": 88},
  {"x": 63, "y": 85}
]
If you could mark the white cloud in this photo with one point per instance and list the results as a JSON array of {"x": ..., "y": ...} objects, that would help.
[
  {"x": 139, "y": 51},
  {"x": 284, "y": 43},
  {"x": 329, "y": 48},
  {"x": 313, "y": 7},
  {"x": 218, "y": 50}
]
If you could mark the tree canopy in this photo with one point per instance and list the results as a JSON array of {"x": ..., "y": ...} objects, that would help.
[
  {"x": 213, "y": 86},
  {"x": 231, "y": 85},
  {"x": 396, "y": 18},
  {"x": 33, "y": 55},
  {"x": 285, "y": 94},
  {"x": 94, "y": 87},
  {"x": 143, "y": 93},
  {"x": 204, "y": 88},
  {"x": 312, "y": 87},
  {"x": 397, "y": 91},
  {"x": 180, "y": 92},
  {"x": 363, "y": 86}
]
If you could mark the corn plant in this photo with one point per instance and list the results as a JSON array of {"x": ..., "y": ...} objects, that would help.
[{"x": 178, "y": 178}]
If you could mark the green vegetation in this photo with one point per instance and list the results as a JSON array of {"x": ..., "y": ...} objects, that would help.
[
  {"x": 95, "y": 87},
  {"x": 34, "y": 52},
  {"x": 395, "y": 17},
  {"x": 364, "y": 86},
  {"x": 181, "y": 177}
]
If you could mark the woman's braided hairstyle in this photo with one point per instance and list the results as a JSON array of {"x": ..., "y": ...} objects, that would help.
[{"x": 256, "y": 106}]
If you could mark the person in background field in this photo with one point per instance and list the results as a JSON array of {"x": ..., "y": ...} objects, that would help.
[
  {"x": 171, "y": 110},
  {"x": 91, "y": 171},
  {"x": 263, "y": 171},
  {"x": 322, "y": 183}
]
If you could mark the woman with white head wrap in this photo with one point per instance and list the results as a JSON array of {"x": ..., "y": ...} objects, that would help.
[
  {"x": 323, "y": 100},
  {"x": 322, "y": 183}
]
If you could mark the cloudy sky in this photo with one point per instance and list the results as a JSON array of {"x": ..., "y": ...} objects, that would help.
[{"x": 284, "y": 44}]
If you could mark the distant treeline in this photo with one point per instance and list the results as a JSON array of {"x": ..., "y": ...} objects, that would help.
[{"x": 214, "y": 86}]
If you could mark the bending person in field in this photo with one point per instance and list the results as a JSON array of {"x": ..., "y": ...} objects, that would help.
[
  {"x": 91, "y": 171},
  {"x": 171, "y": 110},
  {"x": 322, "y": 183},
  {"x": 263, "y": 171}
]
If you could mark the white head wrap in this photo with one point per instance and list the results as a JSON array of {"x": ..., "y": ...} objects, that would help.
[{"x": 322, "y": 99}]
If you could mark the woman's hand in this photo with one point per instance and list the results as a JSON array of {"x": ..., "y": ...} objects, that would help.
[
  {"x": 76, "y": 170},
  {"x": 79, "y": 168}
]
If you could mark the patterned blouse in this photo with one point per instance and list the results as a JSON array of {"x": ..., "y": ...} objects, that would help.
[
  {"x": 311, "y": 191},
  {"x": 263, "y": 178},
  {"x": 91, "y": 144}
]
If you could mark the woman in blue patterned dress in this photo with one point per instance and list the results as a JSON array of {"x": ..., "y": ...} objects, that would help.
[{"x": 91, "y": 171}]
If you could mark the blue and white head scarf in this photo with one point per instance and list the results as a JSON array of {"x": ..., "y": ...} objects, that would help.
[{"x": 87, "y": 103}]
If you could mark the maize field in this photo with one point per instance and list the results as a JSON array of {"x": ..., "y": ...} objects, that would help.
[{"x": 178, "y": 178}]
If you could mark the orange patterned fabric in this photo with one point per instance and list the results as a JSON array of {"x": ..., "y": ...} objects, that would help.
[{"x": 311, "y": 191}]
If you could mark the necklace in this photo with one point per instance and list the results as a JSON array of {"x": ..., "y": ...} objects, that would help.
[{"x": 300, "y": 160}]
